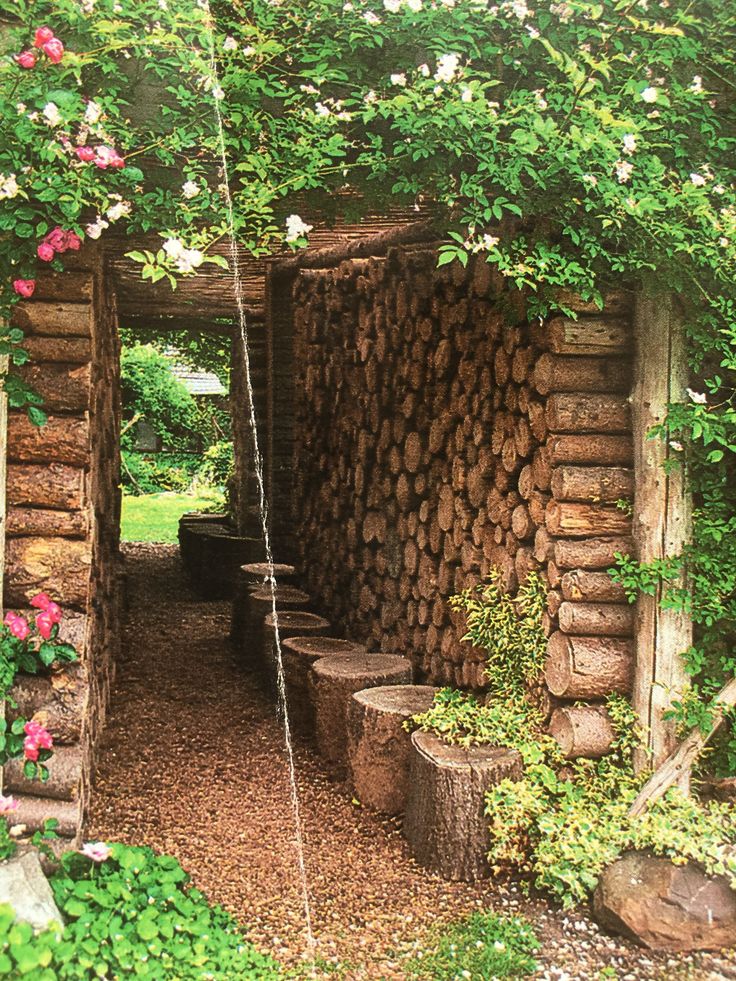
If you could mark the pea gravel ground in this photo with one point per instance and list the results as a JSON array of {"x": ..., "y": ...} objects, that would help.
[{"x": 193, "y": 763}]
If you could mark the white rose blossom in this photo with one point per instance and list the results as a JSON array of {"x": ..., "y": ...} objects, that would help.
[
  {"x": 190, "y": 189},
  {"x": 623, "y": 170},
  {"x": 447, "y": 67},
  {"x": 629, "y": 143},
  {"x": 398, "y": 78},
  {"x": 296, "y": 228},
  {"x": 229, "y": 44},
  {"x": 51, "y": 114},
  {"x": 650, "y": 94},
  {"x": 8, "y": 186}
]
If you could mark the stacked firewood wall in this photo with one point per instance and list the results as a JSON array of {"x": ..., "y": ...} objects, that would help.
[
  {"x": 437, "y": 435},
  {"x": 62, "y": 525}
]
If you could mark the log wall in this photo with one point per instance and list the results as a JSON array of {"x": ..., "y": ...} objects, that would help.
[
  {"x": 63, "y": 509},
  {"x": 435, "y": 434}
]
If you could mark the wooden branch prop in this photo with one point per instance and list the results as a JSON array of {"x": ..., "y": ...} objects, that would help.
[{"x": 681, "y": 761}]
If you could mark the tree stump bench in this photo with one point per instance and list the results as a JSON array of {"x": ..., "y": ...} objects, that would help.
[
  {"x": 291, "y": 623},
  {"x": 298, "y": 655},
  {"x": 379, "y": 747},
  {"x": 258, "y": 604},
  {"x": 249, "y": 578},
  {"x": 445, "y": 823},
  {"x": 333, "y": 682}
]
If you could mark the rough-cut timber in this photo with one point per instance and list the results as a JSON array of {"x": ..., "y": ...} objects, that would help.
[
  {"x": 445, "y": 823},
  {"x": 334, "y": 680},
  {"x": 286, "y": 623},
  {"x": 662, "y": 521},
  {"x": 379, "y": 745},
  {"x": 58, "y": 701},
  {"x": 298, "y": 654},
  {"x": 588, "y": 667},
  {"x": 582, "y": 730}
]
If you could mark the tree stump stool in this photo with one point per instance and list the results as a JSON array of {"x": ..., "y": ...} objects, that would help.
[
  {"x": 379, "y": 747},
  {"x": 291, "y": 623},
  {"x": 221, "y": 557},
  {"x": 333, "y": 682},
  {"x": 187, "y": 523},
  {"x": 298, "y": 655},
  {"x": 445, "y": 823},
  {"x": 258, "y": 604},
  {"x": 249, "y": 578}
]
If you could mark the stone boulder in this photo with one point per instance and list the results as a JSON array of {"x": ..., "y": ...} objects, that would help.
[
  {"x": 664, "y": 906},
  {"x": 25, "y": 887}
]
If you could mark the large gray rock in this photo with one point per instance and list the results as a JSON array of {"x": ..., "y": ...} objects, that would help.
[
  {"x": 664, "y": 906},
  {"x": 24, "y": 886}
]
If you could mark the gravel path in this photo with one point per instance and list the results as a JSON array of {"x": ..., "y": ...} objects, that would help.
[{"x": 193, "y": 763}]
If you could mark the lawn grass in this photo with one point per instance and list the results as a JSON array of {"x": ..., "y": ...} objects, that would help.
[{"x": 155, "y": 517}]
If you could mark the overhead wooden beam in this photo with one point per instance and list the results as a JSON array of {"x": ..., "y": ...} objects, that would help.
[{"x": 662, "y": 520}]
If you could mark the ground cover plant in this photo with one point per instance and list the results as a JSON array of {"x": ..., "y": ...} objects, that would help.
[
  {"x": 481, "y": 946},
  {"x": 155, "y": 517},
  {"x": 565, "y": 821},
  {"x": 130, "y": 913}
]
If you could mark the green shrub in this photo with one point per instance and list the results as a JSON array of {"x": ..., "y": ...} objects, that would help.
[
  {"x": 151, "y": 392},
  {"x": 144, "y": 473},
  {"x": 482, "y": 946},
  {"x": 217, "y": 466},
  {"x": 133, "y": 915}
]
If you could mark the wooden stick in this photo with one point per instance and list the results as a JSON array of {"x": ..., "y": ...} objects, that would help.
[{"x": 680, "y": 762}]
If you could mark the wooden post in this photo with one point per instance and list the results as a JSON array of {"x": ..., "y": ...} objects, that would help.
[{"x": 662, "y": 519}]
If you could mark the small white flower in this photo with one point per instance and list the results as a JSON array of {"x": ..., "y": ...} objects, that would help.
[
  {"x": 700, "y": 398},
  {"x": 296, "y": 228},
  {"x": 489, "y": 241},
  {"x": 249, "y": 51},
  {"x": 393, "y": 6},
  {"x": 723, "y": 242},
  {"x": 118, "y": 210},
  {"x": 189, "y": 260},
  {"x": 414, "y": 5},
  {"x": 218, "y": 92},
  {"x": 466, "y": 95},
  {"x": 173, "y": 248},
  {"x": 97, "y": 227},
  {"x": 370, "y": 18},
  {"x": 719, "y": 189},
  {"x": 676, "y": 445},
  {"x": 629, "y": 143},
  {"x": 321, "y": 109},
  {"x": 697, "y": 179},
  {"x": 190, "y": 189},
  {"x": 229, "y": 44},
  {"x": 51, "y": 114},
  {"x": 447, "y": 66},
  {"x": 398, "y": 78},
  {"x": 696, "y": 85},
  {"x": 370, "y": 97},
  {"x": 8, "y": 186},
  {"x": 532, "y": 32},
  {"x": 539, "y": 96},
  {"x": 92, "y": 113},
  {"x": 590, "y": 179},
  {"x": 499, "y": 945},
  {"x": 650, "y": 94},
  {"x": 623, "y": 170},
  {"x": 520, "y": 9},
  {"x": 424, "y": 70}
]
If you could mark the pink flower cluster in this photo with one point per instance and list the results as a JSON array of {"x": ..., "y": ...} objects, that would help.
[
  {"x": 37, "y": 738},
  {"x": 101, "y": 156},
  {"x": 49, "y": 616},
  {"x": 24, "y": 287},
  {"x": 57, "y": 241},
  {"x": 8, "y": 805},
  {"x": 98, "y": 851},
  {"x": 46, "y": 40},
  {"x": 46, "y": 620}
]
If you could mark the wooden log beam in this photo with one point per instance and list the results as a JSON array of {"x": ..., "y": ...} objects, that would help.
[
  {"x": 573, "y": 520},
  {"x": 590, "y": 553},
  {"x": 662, "y": 521},
  {"x": 558, "y": 373},
  {"x": 597, "y": 619},
  {"x": 582, "y": 730},
  {"x": 598, "y": 484},
  {"x": 572, "y": 413},
  {"x": 580, "y": 585},
  {"x": 588, "y": 667},
  {"x": 597, "y": 336},
  {"x": 607, "y": 451}
]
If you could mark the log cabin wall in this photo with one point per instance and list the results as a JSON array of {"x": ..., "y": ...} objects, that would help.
[
  {"x": 437, "y": 434},
  {"x": 63, "y": 508}
]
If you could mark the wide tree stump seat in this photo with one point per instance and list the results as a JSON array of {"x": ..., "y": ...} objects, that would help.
[
  {"x": 250, "y": 577},
  {"x": 445, "y": 823},
  {"x": 258, "y": 604},
  {"x": 291, "y": 623},
  {"x": 333, "y": 681},
  {"x": 298, "y": 655},
  {"x": 379, "y": 746}
]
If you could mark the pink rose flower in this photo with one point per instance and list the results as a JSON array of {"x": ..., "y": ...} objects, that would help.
[
  {"x": 73, "y": 241},
  {"x": 8, "y": 804},
  {"x": 26, "y": 59},
  {"x": 54, "y": 612},
  {"x": 10, "y": 619},
  {"x": 45, "y": 252},
  {"x": 56, "y": 238},
  {"x": 41, "y": 601},
  {"x": 55, "y": 50},
  {"x": 43, "y": 36},
  {"x": 19, "y": 628},
  {"x": 30, "y": 750},
  {"x": 37, "y": 738},
  {"x": 108, "y": 157},
  {"x": 24, "y": 287},
  {"x": 85, "y": 153},
  {"x": 44, "y": 625},
  {"x": 98, "y": 851}
]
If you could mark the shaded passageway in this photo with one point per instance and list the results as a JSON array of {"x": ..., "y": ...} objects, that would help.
[{"x": 193, "y": 763}]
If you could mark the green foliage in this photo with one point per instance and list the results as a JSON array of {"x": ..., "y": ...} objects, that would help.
[
  {"x": 150, "y": 392},
  {"x": 509, "y": 629},
  {"x": 483, "y": 945},
  {"x": 153, "y": 473},
  {"x": 134, "y": 915},
  {"x": 217, "y": 465},
  {"x": 199, "y": 350}
]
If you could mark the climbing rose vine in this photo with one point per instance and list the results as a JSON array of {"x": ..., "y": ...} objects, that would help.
[{"x": 576, "y": 145}]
